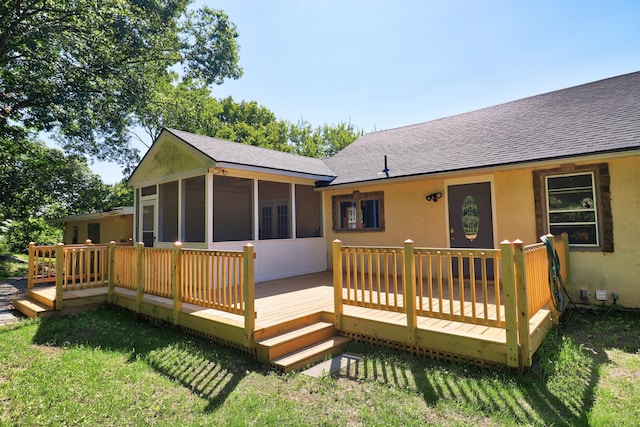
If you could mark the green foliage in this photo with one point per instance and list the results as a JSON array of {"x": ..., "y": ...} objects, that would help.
[
  {"x": 81, "y": 68},
  {"x": 15, "y": 235},
  {"x": 39, "y": 183},
  {"x": 188, "y": 105}
]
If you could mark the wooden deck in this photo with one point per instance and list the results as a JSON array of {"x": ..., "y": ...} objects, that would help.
[{"x": 305, "y": 304}]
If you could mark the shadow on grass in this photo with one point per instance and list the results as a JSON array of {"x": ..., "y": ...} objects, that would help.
[
  {"x": 209, "y": 370},
  {"x": 559, "y": 389}
]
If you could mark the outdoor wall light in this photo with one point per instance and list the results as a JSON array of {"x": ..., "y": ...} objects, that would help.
[{"x": 433, "y": 197}]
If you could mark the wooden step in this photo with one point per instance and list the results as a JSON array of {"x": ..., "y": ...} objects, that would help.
[
  {"x": 30, "y": 308},
  {"x": 288, "y": 342},
  {"x": 43, "y": 296},
  {"x": 314, "y": 353},
  {"x": 288, "y": 326}
]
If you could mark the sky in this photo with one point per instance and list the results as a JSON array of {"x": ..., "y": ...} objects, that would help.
[{"x": 386, "y": 64}]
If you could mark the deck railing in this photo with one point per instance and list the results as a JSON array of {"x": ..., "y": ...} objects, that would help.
[
  {"x": 501, "y": 288},
  {"x": 157, "y": 274},
  {"x": 42, "y": 264},
  {"x": 537, "y": 274},
  {"x": 85, "y": 266},
  {"x": 213, "y": 279},
  {"x": 125, "y": 269},
  {"x": 461, "y": 285},
  {"x": 372, "y": 277}
]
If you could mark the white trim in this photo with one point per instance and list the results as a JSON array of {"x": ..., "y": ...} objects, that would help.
[
  {"x": 144, "y": 203},
  {"x": 292, "y": 209},
  {"x": 596, "y": 211},
  {"x": 273, "y": 171},
  {"x": 208, "y": 222},
  {"x": 477, "y": 179},
  {"x": 181, "y": 206},
  {"x": 256, "y": 211},
  {"x": 173, "y": 177}
]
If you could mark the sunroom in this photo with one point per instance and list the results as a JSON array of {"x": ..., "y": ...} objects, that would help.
[{"x": 214, "y": 194}]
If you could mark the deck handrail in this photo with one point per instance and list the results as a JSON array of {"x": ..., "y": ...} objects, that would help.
[
  {"x": 373, "y": 277},
  {"x": 85, "y": 266},
  {"x": 214, "y": 279},
  {"x": 42, "y": 262},
  {"x": 515, "y": 290},
  {"x": 537, "y": 276},
  {"x": 441, "y": 293}
]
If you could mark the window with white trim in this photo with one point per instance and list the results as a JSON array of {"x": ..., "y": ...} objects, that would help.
[
  {"x": 575, "y": 200},
  {"x": 571, "y": 208}
]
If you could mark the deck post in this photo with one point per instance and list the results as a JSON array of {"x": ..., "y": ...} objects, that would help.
[
  {"x": 522, "y": 299},
  {"x": 510, "y": 310},
  {"x": 112, "y": 272},
  {"x": 59, "y": 275},
  {"x": 410, "y": 290},
  {"x": 249, "y": 295},
  {"x": 139, "y": 276},
  {"x": 337, "y": 282},
  {"x": 176, "y": 268},
  {"x": 87, "y": 265},
  {"x": 32, "y": 264}
]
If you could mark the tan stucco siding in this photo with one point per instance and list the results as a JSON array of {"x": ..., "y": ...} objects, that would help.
[
  {"x": 117, "y": 228},
  {"x": 618, "y": 271},
  {"x": 409, "y": 216}
]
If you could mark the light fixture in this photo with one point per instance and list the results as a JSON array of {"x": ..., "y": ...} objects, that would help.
[{"x": 433, "y": 197}]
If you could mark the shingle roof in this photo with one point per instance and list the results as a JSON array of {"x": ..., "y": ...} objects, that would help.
[
  {"x": 598, "y": 117},
  {"x": 248, "y": 155}
]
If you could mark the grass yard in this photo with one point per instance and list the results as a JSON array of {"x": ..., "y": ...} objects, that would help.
[
  {"x": 109, "y": 368},
  {"x": 13, "y": 265}
]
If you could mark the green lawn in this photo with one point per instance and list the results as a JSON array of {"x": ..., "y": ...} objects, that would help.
[
  {"x": 109, "y": 368},
  {"x": 13, "y": 265}
]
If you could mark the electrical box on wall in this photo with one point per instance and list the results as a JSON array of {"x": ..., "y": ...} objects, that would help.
[{"x": 601, "y": 295}]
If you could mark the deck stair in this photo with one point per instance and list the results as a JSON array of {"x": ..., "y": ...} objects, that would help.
[
  {"x": 299, "y": 346},
  {"x": 31, "y": 308}
]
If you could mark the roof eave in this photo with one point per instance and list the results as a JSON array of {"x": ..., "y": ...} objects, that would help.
[{"x": 493, "y": 168}]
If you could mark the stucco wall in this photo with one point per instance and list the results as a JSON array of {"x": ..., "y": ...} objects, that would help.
[
  {"x": 618, "y": 271},
  {"x": 117, "y": 228},
  {"x": 409, "y": 216}
]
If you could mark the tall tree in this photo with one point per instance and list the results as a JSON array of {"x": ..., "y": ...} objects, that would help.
[
  {"x": 188, "y": 105},
  {"x": 79, "y": 68}
]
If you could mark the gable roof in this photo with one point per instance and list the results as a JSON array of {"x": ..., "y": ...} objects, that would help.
[
  {"x": 594, "y": 118},
  {"x": 233, "y": 154}
]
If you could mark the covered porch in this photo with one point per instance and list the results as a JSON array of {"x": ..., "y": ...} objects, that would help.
[{"x": 413, "y": 300}]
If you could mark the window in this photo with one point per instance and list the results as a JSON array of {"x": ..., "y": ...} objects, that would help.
[
  {"x": 358, "y": 212},
  {"x": 308, "y": 212},
  {"x": 74, "y": 237},
  {"x": 576, "y": 201},
  {"x": 149, "y": 191},
  {"x": 193, "y": 196},
  {"x": 168, "y": 212},
  {"x": 232, "y": 209},
  {"x": 273, "y": 199},
  {"x": 571, "y": 208}
]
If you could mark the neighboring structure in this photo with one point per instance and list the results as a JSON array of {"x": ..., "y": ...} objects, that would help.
[
  {"x": 565, "y": 161},
  {"x": 99, "y": 227}
]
